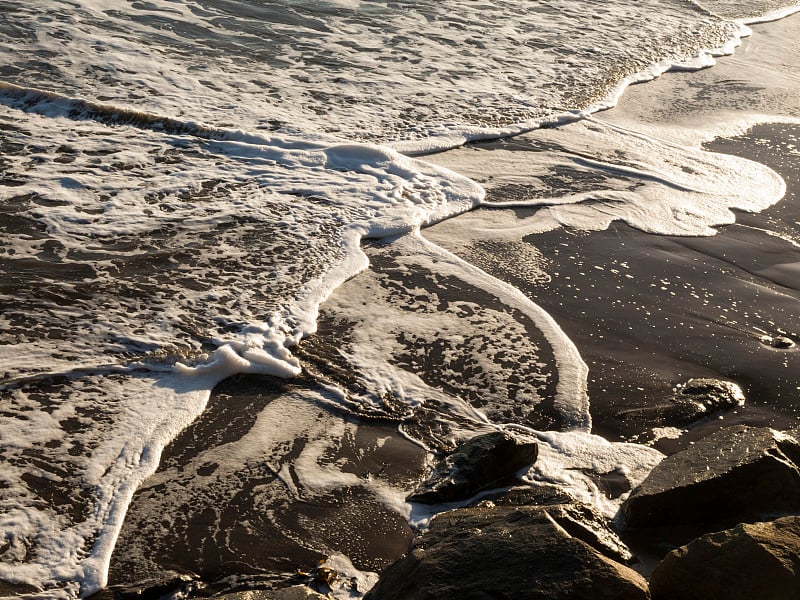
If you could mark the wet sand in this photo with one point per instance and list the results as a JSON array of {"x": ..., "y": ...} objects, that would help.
[
  {"x": 649, "y": 312},
  {"x": 229, "y": 505}
]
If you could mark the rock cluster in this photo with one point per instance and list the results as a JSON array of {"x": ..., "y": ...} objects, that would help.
[{"x": 730, "y": 498}]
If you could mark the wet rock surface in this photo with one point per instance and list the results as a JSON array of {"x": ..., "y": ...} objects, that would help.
[
  {"x": 780, "y": 342},
  {"x": 578, "y": 519},
  {"x": 693, "y": 401},
  {"x": 737, "y": 474},
  {"x": 477, "y": 464},
  {"x": 760, "y": 560},
  {"x": 508, "y": 552},
  {"x": 712, "y": 394},
  {"x": 297, "y": 592}
]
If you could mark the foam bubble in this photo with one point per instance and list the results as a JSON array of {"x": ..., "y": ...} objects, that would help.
[{"x": 577, "y": 461}]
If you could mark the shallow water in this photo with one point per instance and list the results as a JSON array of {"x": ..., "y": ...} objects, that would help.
[{"x": 184, "y": 184}]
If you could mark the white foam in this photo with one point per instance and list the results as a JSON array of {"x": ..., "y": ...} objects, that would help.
[
  {"x": 498, "y": 335},
  {"x": 701, "y": 59},
  {"x": 366, "y": 189},
  {"x": 125, "y": 453},
  {"x": 574, "y": 461},
  {"x": 649, "y": 182},
  {"x": 351, "y": 582},
  {"x": 418, "y": 72}
]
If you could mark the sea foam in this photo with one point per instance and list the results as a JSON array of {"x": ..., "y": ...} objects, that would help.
[{"x": 182, "y": 192}]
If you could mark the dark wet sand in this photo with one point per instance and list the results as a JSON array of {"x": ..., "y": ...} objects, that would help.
[{"x": 245, "y": 528}]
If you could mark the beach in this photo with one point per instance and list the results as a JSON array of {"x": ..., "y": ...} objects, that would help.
[
  {"x": 278, "y": 474},
  {"x": 653, "y": 311}
]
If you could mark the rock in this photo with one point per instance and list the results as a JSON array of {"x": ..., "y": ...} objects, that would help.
[
  {"x": 525, "y": 553},
  {"x": 737, "y": 474},
  {"x": 760, "y": 560},
  {"x": 475, "y": 465},
  {"x": 295, "y": 592},
  {"x": 531, "y": 495},
  {"x": 781, "y": 342},
  {"x": 784, "y": 343},
  {"x": 578, "y": 519},
  {"x": 694, "y": 400},
  {"x": 713, "y": 394}
]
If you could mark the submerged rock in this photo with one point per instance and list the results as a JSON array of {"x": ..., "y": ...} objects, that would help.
[
  {"x": 694, "y": 400},
  {"x": 781, "y": 342},
  {"x": 760, "y": 560},
  {"x": 475, "y": 465},
  {"x": 737, "y": 474},
  {"x": 525, "y": 553}
]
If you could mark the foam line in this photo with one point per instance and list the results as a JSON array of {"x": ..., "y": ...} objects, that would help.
[{"x": 572, "y": 399}]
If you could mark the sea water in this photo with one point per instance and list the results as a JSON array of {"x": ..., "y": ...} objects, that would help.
[{"x": 184, "y": 183}]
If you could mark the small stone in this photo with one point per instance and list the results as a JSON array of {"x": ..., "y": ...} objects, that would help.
[{"x": 782, "y": 342}]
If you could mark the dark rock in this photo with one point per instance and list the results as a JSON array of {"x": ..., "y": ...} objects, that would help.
[
  {"x": 296, "y": 592},
  {"x": 694, "y": 400},
  {"x": 737, "y": 474},
  {"x": 780, "y": 342},
  {"x": 475, "y": 465},
  {"x": 713, "y": 394},
  {"x": 580, "y": 520},
  {"x": 534, "y": 495},
  {"x": 524, "y": 553},
  {"x": 760, "y": 560}
]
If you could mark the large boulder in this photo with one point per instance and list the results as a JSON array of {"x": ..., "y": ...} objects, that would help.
[
  {"x": 524, "y": 553},
  {"x": 737, "y": 474},
  {"x": 477, "y": 464},
  {"x": 759, "y": 560}
]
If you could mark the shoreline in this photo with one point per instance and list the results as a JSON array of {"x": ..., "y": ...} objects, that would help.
[
  {"x": 332, "y": 516},
  {"x": 616, "y": 383}
]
